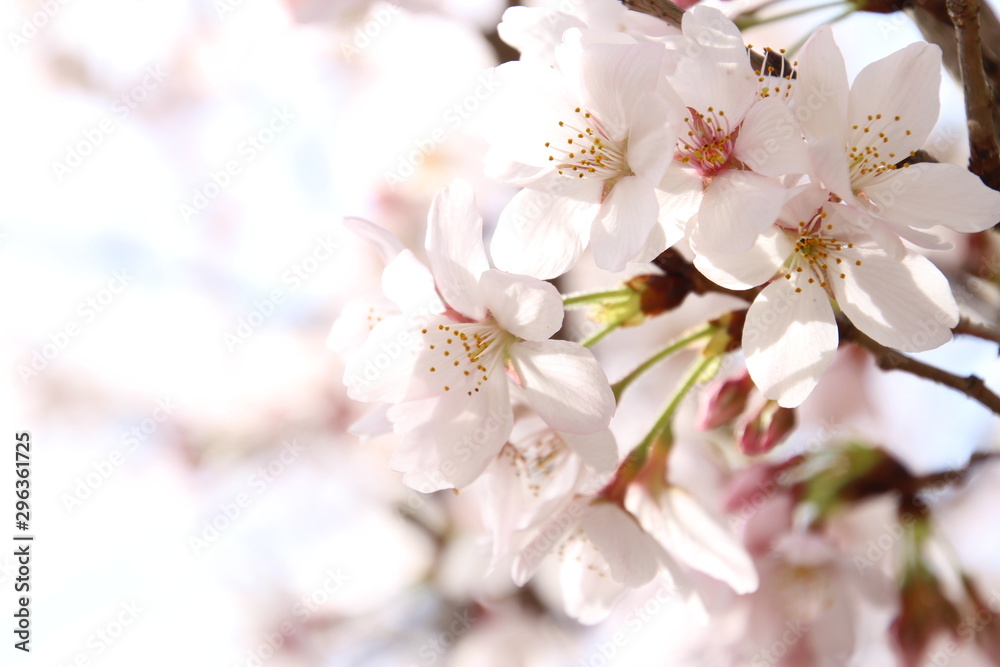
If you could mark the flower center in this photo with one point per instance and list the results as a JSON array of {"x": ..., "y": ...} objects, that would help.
[
  {"x": 464, "y": 354},
  {"x": 818, "y": 254},
  {"x": 709, "y": 143},
  {"x": 537, "y": 459},
  {"x": 805, "y": 592},
  {"x": 585, "y": 150},
  {"x": 865, "y": 150}
]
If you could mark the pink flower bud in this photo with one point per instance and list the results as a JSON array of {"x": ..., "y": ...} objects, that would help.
[
  {"x": 767, "y": 429},
  {"x": 726, "y": 403}
]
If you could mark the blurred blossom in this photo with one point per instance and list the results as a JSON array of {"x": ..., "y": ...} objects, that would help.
[{"x": 186, "y": 193}]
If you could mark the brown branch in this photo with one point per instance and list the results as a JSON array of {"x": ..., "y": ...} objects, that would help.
[
  {"x": 947, "y": 477},
  {"x": 978, "y": 330},
  {"x": 661, "y": 9},
  {"x": 984, "y": 160},
  {"x": 889, "y": 359}
]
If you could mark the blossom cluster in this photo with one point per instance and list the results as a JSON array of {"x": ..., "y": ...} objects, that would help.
[{"x": 776, "y": 176}]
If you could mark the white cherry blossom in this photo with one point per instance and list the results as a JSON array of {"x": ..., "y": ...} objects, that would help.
[
  {"x": 859, "y": 134},
  {"x": 589, "y": 142},
  {"x": 735, "y": 142},
  {"x": 814, "y": 255},
  {"x": 536, "y": 470},
  {"x": 694, "y": 537},
  {"x": 603, "y": 553},
  {"x": 466, "y": 338}
]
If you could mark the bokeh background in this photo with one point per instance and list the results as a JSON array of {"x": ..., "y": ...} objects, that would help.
[{"x": 172, "y": 177}]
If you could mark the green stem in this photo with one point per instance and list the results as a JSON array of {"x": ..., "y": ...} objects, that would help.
[
  {"x": 751, "y": 21},
  {"x": 619, "y": 387},
  {"x": 602, "y": 333},
  {"x": 662, "y": 428},
  {"x": 660, "y": 436},
  {"x": 574, "y": 300}
]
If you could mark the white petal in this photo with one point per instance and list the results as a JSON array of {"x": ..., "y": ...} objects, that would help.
[
  {"x": 455, "y": 248},
  {"x": 356, "y": 320},
  {"x": 904, "y": 84},
  {"x": 597, "y": 450},
  {"x": 623, "y": 223},
  {"x": 715, "y": 70},
  {"x": 613, "y": 78},
  {"x": 820, "y": 92},
  {"x": 906, "y": 304},
  {"x": 743, "y": 270},
  {"x": 372, "y": 424},
  {"x": 416, "y": 456},
  {"x": 651, "y": 138},
  {"x": 770, "y": 140},
  {"x": 385, "y": 242},
  {"x": 382, "y": 368},
  {"x": 712, "y": 37},
  {"x": 830, "y": 168},
  {"x": 589, "y": 592},
  {"x": 535, "y": 31},
  {"x": 550, "y": 535},
  {"x": 408, "y": 284},
  {"x": 527, "y": 307},
  {"x": 725, "y": 86},
  {"x": 564, "y": 384},
  {"x": 924, "y": 195},
  {"x": 696, "y": 537},
  {"x": 738, "y": 206},
  {"x": 680, "y": 193},
  {"x": 542, "y": 234},
  {"x": 789, "y": 339},
  {"x": 524, "y": 112},
  {"x": 470, "y": 431},
  {"x": 633, "y": 556}
]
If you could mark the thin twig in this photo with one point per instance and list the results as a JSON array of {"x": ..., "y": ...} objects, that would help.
[
  {"x": 984, "y": 160},
  {"x": 889, "y": 359},
  {"x": 661, "y": 9},
  {"x": 931, "y": 17},
  {"x": 978, "y": 330}
]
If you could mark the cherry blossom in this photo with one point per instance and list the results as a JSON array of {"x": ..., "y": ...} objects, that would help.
[
  {"x": 733, "y": 144},
  {"x": 589, "y": 142},
  {"x": 603, "y": 552},
  {"x": 814, "y": 255},
  {"x": 858, "y": 137},
  {"x": 466, "y": 339}
]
